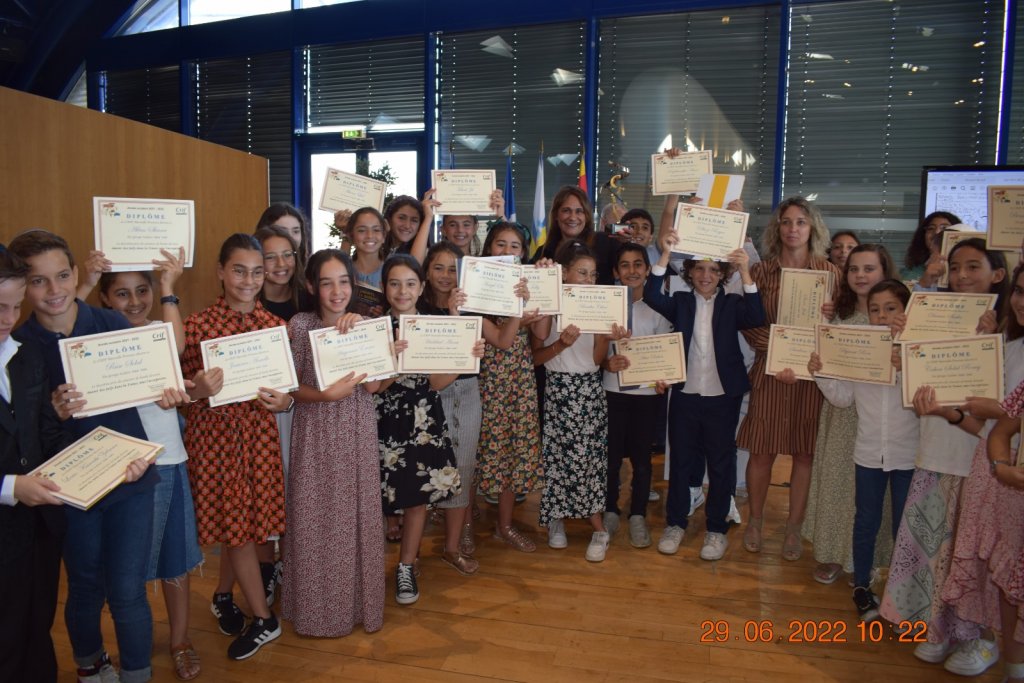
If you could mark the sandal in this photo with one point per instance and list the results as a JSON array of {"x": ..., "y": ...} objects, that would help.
[
  {"x": 394, "y": 533},
  {"x": 793, "y": 545},
  {"x": 752, "y": 536},
  {"x": 827, "y": 572},
  {"x": 515, "y": 538},
  {"x": 467, "y": 544},
  {"x": 476, "y": 511},
  {"x": 466, "y": 566},
  {"x": 186, "y": 661}
]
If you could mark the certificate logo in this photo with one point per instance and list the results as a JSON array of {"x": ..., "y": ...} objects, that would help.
[
  {"x": 181, "y": 211},
  {"x": 442, "y": 177},
  {"x": 215, "y": 350},
  {"x": 99, "y": 437},
  {"x": 276, "y": 337},
  {"x": 922, "y": 300},
  {"x": 1000, "y": 196},
  {"x": 820, "y": 282},
  {"x": 917, "y": 352},
  {"x": 109, "y": 209},
  {"x": 988, "y": 346},
  {"x": 159, "y": 336},
  {"x": 79, "y": 351},
  {"x": 828, "y": 333},
  {"x": 413, "y": 324}
]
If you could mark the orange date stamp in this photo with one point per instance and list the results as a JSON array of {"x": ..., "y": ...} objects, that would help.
[{"x": 812, "y": 631}]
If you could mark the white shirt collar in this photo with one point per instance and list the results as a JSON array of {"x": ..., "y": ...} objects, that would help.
[{"x": 8, "y": 348}]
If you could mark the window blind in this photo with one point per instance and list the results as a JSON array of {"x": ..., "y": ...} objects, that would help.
[{"x": 151, "y": 96}]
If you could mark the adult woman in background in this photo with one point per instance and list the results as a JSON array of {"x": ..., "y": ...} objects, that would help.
[{"x": 922, "y": 245}]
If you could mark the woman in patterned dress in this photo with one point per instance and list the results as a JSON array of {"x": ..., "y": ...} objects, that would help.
[{"x": 234, "y": 450}]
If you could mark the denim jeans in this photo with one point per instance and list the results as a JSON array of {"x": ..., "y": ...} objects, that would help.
[
  {"x": 106, "y": 553},
  {"x": 869, "y": 496}
]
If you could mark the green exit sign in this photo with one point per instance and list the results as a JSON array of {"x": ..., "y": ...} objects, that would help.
[{"x": 353, "y": 133}]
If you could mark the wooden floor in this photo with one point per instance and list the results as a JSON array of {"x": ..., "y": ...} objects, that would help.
[{"x": 553, "y": 616}]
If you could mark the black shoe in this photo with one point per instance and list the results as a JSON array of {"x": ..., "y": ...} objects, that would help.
[
  {"x": 259, "y": 633},
  {"x": 406, "y": 590},
  {"x": 230, "y": 619},
  {"x": 268, "y": 571},
  {"x": 866, "y": 602}
]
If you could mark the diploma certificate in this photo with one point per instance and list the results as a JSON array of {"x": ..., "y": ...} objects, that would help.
[
  {"x": 131, "y": 232},
  {"x": 802, "y": 295},
  {"x": 93, "y": 466},
  {"x": 944, "y": 315},
  {"x": 1005, "y": 217},
  {"x": 490, "y": 286},
  {"x": 950, "y": 239},
  {"x": 122, "y": 369},
  {"x": 710, "y": 233},
  {"x": 464, "y": 192},
  {"x": 439, "y": 344},
  {"x": 790, "y": 347},
  {"x": 366, "y": 348},
  {"x": 343, "y": 190},
  {"x": 658, "y": 357},
  {"x": 955, "y": 368},
  {"x": 594, "y": 308},
  {"x": 679, "y": 175},
  {"x": 859, "y": 353},
  {"x": 250, "y": 360},
  {"x": 545, "y": 285}
]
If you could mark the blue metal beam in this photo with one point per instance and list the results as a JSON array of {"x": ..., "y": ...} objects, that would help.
[
  {"x": 591, "y": 66},
  {"x": 1009, "y": 43},
  {"x": 780, "y": 102}
]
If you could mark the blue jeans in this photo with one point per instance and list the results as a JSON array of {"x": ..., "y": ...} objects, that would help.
[
  {"x": 106, "y": 553},
  {"x": 870, "y": 495}
]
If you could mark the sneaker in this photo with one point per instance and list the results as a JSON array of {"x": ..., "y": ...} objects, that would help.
[
  {"x": 259, "y": 633},
  {"x": 598, "y": 546},
  {"x": 734, "y": 512},
  {"x": 670, "y": 539},
  {"x": 973, "y": 657},
  {"x": 406, "y": 590},
  {"x": 556, "y": 534},
  {"x": 515, "y": 538},
  {"x": 866, "y": 602},
  {"x": 696, "y": 498},
  {"x": 102, "y": 671},
  {"x": 653, "y": 496},
  {"x": 933, "y": 653},
  {"x": 230, "y": 619},
  {"x": 611, "y": 523},
  {"x": 874, "y": 577},
  {"x": 639, "y": 535},
  {"x": 714, "y": 546},
  {"x": 268, "y": 571}
]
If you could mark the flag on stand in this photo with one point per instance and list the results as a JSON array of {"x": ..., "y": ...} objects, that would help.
[
  {"x": 540, "y": 233},
  {"x": 583, "y": 171},
  {"x": 510, "y": 190}
]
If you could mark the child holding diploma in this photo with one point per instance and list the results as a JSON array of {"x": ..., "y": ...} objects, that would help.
[
  {"x": 884, "y": 450},
  {"x": 334, "y": 548},
  {"x": 704, "y": 410},
  {"x": 175, "y": 550},
  {"x": 234, "y": 451},
  {"x": 31, "y": 523},
  {"x": 368, "y": 231},
  {"x": 410, "y": 221},
  {"x": 461, "y": 230},
  {"x": 107, "y": 547}
]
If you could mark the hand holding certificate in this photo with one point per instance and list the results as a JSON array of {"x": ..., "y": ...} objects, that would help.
[
  {"x": 545, "y": 285},
  {"x": 439, "y": 344},
  {"x": 490, "y": 286},
  {"x": 944, "y": 315},
  {"x": 366, "y": 349},
  {"x": 131, "y": 232},
  {"x": 801, "y": 296},
  {"x": 350, "y": 191},
  {"x": 790, "y": 347},
  {"x": 94, "y": 465},
  {"x": 654, "y": 358},
  {"x": 679, "y": 174},
  {"x": 250, "y": 360},
  {"x": 858, "y": 353},
  {"x": 464, "y": 192},
  {"x": 121, "y": 369},
  {"x": 955, "y": 368},
  {"x": 594, "y": 308},
  {"x": 704, "y": 232}
]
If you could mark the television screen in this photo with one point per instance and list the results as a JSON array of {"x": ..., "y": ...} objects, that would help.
[{"x": 963, "y": 190}]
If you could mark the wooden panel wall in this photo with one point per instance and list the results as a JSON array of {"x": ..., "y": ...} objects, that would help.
[{"x": 56, "y": 157}]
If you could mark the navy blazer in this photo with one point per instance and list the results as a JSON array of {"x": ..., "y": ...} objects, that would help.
[
  {"x": 731, "y": 314},
  {"x": 28, "y": 438}
]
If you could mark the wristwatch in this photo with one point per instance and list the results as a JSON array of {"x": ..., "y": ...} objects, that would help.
[
  {"x": 170, "y": 300},
  {"x": 992, "y": 465}
]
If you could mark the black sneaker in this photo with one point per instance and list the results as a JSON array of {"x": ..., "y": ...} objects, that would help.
[
  {"x": 866, "y": 602},
  {"x": 268, "y": 571},
  {"x": 259, "y": 633},
  {"x": 230, "y": 619},
  {"x": 406, "y": 590}
]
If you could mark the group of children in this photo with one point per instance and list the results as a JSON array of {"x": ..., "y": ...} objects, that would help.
[{"x": 319, "y": 470}]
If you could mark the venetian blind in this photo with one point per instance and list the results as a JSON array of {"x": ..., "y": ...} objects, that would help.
[{"x": 151, "y": 96}]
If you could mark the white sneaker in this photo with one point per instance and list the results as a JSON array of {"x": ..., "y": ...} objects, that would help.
[
  {"x": 933, "y": 653},
  {"x": 611, "y": 523},
  {"x": 670, "y": 539},
  {"x": 973, "y": 657},
  {"x": 714, "y": 546},
  {"x": 598, "y": 546},
  {"x": 639, "y": 535},
  {"x": 696, "y": 498},
  {"x": 734, "y": 512},
  {"x": 556, "y": 534},
  {"x": 653, "y": 496}
]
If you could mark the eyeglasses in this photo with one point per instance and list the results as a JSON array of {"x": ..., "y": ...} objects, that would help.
[
  {"x": 241, "y": 274},
  {"x": 284, "y": 256}
]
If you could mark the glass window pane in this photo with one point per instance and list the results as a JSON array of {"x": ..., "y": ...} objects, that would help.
[
  {"x": 150, "y": 15},
  {"x": 206, "y": 11},
  {"x": 79, "y": 93},
  {"x": 322, "y": 220},
  {"x": 303, "y": 4}
]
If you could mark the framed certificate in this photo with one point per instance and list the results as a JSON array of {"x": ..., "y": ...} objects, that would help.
[
  {"x": 858, "y": 353},
  {"x": 343, "y": 190},
  {"x": 1005, "y": 217},
  {"x": 366, "y": 348},
  {"x": 439, "y": 344},
  {"x": 709, "y": 233},
  {"x": 250, "y": 360},
  {"x": 122, "y": 369},
  {"x": 490, "y": 286},
  {"x": 131, "y": 232},
  {"x": 93, "y": 466},
  {"x": 955, "y": 368},
  {"x": 944, "y": 315},
  {"x": 950, "y": 239},
  {"x": 545, "y": 285},
  {"x": 464, "y": 192},
  {"x": 594, "y": 308},
  {"x": 790, "y": 347},
  {"x": 802, "y": 295},
  {"x": 654, "y": 358},
  {"x": 679, "y": 175}
]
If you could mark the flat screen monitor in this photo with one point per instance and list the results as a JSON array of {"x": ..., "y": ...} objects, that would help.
[{"x": 963, "y": 190}]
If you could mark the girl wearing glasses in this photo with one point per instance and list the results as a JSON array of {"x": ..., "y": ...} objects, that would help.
[{"x": 284, "y": 293}]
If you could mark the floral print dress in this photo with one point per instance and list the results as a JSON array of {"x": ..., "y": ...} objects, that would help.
[{"x": 417, "y": 463}]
